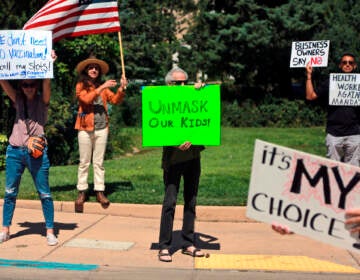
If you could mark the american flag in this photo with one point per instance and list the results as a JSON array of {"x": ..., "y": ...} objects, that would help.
[{"x": 71, "y": 18}]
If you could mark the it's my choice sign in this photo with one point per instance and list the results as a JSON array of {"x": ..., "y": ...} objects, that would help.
[
  {"x": 25, "y": 54},
  {"x": 315, "y": 52},
  {"x": 172, "y": 115},
  {"x": 305, "y": 192}
]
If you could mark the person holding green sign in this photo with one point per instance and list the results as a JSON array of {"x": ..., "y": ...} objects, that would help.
[{"x": 181, "y": 161}]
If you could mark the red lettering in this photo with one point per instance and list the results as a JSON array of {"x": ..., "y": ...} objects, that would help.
[{"x": 316, "y": 60}]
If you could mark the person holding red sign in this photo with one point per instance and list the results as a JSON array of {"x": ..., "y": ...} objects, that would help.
[
  {"x": 181, "y": 161},
  {"x": 343, "y": 122}
]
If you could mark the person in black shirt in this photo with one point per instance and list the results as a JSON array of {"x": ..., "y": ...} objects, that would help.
[
  {"x": 343, "y": 122},
  {"x": 180, "y": 161}
]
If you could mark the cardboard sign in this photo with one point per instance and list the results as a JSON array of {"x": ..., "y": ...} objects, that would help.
[
  {"x": 307, "y": 193},
  {"x": 315, "y": 52},
  {"x": 25, "y": 54},
  {"x": 172, "y": 115},
  {"x": 344, "y": 89}
]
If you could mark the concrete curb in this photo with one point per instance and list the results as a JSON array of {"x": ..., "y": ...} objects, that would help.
[{"x": 235, "y": 214}]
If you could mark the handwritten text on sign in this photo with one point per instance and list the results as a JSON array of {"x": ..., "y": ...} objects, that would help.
[
  {"x": 344, "y": 89},
  {"x": 305, "y": 192},
  {"x": 315, "y": 52},
  {"x": 172, "y": 115},
  {"x": 25, "y": 54}
]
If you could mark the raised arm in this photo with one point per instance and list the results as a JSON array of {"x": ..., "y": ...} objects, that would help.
[
  {"x": 46, "y": 90},
  {"x": 9, "y": 90},
  {"x": 310, "y": 92},
  {"x": 46, "y": 84}
]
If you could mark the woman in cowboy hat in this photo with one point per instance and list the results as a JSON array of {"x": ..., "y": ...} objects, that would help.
[{"x": 92, "y": 123}]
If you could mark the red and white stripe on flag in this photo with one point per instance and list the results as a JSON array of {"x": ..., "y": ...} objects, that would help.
[{"x": 72, "y": 18}]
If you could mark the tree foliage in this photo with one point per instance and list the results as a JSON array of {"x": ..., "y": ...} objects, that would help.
[
  {"x": 244, "y": 43},
  {"x": 249, "y": 41},
  {"x": 148, "y": 37}
]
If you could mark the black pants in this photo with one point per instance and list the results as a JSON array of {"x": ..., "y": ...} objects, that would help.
[{"x": 190, "y": 171}]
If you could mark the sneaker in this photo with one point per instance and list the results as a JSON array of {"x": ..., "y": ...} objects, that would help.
[
  {"x": 4, "y": 236},
  {"x": 51, "y": 239}
]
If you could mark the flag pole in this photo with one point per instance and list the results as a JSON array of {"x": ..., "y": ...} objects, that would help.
[{"x": 121, "y": 55}]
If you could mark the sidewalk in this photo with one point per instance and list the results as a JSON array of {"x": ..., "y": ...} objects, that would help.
[{"x": 126, "y": 236}]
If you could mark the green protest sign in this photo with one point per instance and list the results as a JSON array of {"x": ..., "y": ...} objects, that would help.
[{"x": 172, "y": 115}]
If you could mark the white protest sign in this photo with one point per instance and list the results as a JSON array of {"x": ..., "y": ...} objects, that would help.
[
  {"x": 25, "y": 54},
  {"x": 344, "y": 89},
  {"x": 307, "y": 193},
  {"x": 315, "y": 52}
]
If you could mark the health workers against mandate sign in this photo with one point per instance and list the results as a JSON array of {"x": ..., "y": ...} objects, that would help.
[
  {"x": 307, "y": 193},
  {"x": 344, "y": 89},
  {"x": 315, "y": 52},
  {"x": 172, "y": 115},
  {"x": 25, "y": 54}
]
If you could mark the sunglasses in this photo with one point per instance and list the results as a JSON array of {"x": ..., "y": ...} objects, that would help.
[
  {"x": 90, "y": 67},
  {"x": 350, "y": 62},
  {"x": 179, "y": 82},
  {"x": 27, "y": 85}
]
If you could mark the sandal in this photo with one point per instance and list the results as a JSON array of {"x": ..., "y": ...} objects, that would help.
[
  {"x": 164, "y": 255},
  {"x": 196, "y": 253}
]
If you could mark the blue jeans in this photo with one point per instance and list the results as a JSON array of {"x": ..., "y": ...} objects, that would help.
[{"x": 17, "y": 158}]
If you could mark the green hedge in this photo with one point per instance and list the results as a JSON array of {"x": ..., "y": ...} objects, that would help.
[{"x": 272, "y": 112}]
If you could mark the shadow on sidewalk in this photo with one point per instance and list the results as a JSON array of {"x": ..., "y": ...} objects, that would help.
[
  {"x": 110, "y": 187},
  {"x": 202, "y": 241},
  {"x": 39, "y": 228}
]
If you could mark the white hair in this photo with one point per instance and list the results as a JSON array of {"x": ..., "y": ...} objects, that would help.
[{"x": 169, "y": 75}]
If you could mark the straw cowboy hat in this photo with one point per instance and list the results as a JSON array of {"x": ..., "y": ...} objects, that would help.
[{"x": 92, "y": 60}]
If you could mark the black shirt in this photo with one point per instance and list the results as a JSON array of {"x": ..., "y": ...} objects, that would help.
[
  {"x": 341, "y": 120},
  {"x": 173, "y": 155}
]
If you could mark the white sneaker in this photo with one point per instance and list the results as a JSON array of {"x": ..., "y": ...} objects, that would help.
[
  {"x": 4, "y": 236},
  {"x": 51, "y": 239}
]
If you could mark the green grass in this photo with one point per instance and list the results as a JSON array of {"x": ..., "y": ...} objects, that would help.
[{"x": 225, "y": 169}]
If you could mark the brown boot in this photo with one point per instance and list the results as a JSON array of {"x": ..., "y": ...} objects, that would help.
[
  {"x": 79, "y": 202},
  {"x": 100, "y": 197}
]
